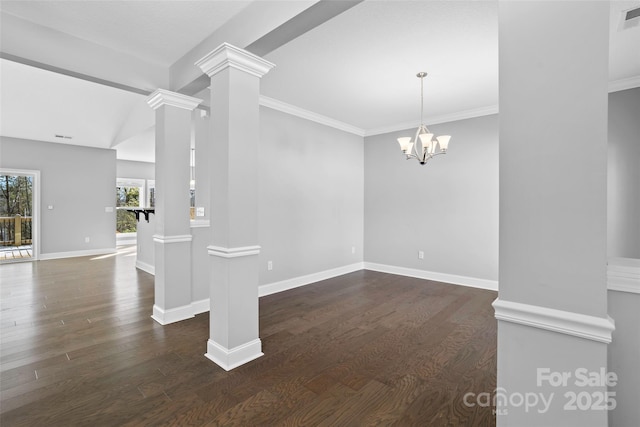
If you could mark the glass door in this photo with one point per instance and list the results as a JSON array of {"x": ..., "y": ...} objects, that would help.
[{"x": 17, "y": 216}]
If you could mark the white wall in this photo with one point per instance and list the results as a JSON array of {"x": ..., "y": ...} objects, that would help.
[
  {"x": 624, "y": 353},
  {"x": 79, "y": 182},
  {"x": 623, "y": 175},
  {"x": 447, "y": 208},
  {"x": 311, "y": 197},
  {"x": 133, "y": 169}
]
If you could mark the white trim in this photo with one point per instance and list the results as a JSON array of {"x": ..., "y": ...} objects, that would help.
[
  {"x": 454, "y": 279},
  {"x": 219, "y": 251},
  {"x": 73, "y": 254},
  {"x": 200, "y": 223},
  {"x": 126, "y": 239},
  {"x": 200, "y": 306},
  {"x": 172, "y": 239},
  {"x": 274, "y": 104},
  {"x": 226, "y": 55},
  {"x": 229, "y": 359},
  {"x": 564, "y": 322},
  {"x": 624, "y": 84},
  {"x": 146, "y": 267},
  {"x": 433, "y": 120},
  {"x": 172, "y": 315},
  {"x": 623, "y": 275},
  {"x": 296, "y": 282},
  {"x": 163, "y": 97}
]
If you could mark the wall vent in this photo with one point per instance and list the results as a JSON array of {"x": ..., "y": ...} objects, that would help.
[
  {"x": 630, "y": 18},
  {"x": 632, "y": 14},
  {"x": 63, "y": 136}
]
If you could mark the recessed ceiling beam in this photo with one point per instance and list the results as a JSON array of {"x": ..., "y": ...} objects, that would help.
[
  {"x": 308, "y": 19},
  {"x": 70, "y": 73}
]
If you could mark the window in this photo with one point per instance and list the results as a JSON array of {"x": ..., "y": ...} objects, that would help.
[{"x": 129, "y": 193}]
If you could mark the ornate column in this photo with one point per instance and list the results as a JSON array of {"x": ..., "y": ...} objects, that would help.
[
  {"x": 172, "y": 238},
  {"x": 553, "y": 327},
  {"x": 235, "y": 88}
]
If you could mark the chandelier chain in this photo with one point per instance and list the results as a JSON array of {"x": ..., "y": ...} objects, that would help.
[{"x": 421, "y": 100}]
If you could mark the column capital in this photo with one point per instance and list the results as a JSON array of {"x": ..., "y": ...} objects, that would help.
[
  {"x": 165, "y": 97},
  {"x": 227, "y": 55}
]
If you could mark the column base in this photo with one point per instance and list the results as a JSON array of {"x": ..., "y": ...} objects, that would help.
[
  {"x": 229, "y": 359},
  {"x": 172, "y": 315}
]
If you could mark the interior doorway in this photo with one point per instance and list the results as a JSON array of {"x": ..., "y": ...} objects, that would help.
[{"x": 19, "y": 190}]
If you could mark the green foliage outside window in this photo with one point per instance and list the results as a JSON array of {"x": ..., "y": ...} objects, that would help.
[
  {"x": 125, "y": 220},
  {"x": 16, "y": 196}
]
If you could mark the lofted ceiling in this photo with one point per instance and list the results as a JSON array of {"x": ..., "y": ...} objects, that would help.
[
  {"x": 158, "y": 31},
  {"x": 357, "y": 68}
]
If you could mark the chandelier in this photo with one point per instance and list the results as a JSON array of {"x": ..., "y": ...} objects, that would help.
[{"x": 428, "y": 146}]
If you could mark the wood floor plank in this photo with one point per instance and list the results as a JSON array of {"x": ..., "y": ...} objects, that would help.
[{"x": 78, "y": 347}]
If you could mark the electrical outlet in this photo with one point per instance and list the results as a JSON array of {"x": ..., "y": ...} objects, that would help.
[
  {"x": 353, "y": 249},
  {"x": 269, "y": 265},
  {"x": 420, "y": 255},
  {"x": 87, "y": 239}
]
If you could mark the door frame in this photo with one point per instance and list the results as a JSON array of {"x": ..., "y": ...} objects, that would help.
[{"x": 35, "y": 221}]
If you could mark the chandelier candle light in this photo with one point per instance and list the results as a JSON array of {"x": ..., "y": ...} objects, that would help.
[{"x": 429, "y": 147}]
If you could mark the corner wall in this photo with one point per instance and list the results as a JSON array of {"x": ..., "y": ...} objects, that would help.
[
  {"x": 447, "y": 209},
  {"x": 311, "y": 199},
  {"x": 79, "y": 182}
]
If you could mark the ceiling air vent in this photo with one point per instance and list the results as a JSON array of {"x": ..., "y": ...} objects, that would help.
[
  {"x": 631, "y": 14},
  {"x": 630, "y": 18}
]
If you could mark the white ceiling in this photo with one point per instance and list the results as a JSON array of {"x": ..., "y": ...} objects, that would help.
[
  {"x": 158, "y": 31},
  {"x": 358, "y": 68},
  {"x": 38, "y": 104}
]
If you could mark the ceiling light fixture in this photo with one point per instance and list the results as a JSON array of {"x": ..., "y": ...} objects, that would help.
[{"x": 429, "y": 147}]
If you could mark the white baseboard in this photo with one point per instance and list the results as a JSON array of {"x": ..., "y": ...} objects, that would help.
[
  {"x": 472, "y": 282},
  {"x": 565, "y": 322},
  {"x": 172, "y": 315},
  {"x": 228, "y": 359},
  {"x": 74, "y": 254},
  {"x": 296, "y": 282},
  {"x": 623, "y": 275},
  {"x": 200, "y": 306},
  {"x": 147, "y": 268},
  {"x": 126, "y": 241}
]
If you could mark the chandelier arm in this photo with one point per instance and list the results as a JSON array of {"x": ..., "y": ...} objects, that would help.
[{"x": 414, "y": 149}]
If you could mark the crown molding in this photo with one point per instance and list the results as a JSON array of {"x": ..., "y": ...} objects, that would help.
[
  {"x": 227, "y": 55},
  {"x": 433, "y": 120},
  {"x": 274, "y": 104},
  {"x": 624, "y": 84},
  {"x": 165, "y": 97},
  {"x": 564, "y": 322}
]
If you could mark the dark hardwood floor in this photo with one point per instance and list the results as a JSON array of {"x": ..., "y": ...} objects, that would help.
[{"x": 78, "y": 347}]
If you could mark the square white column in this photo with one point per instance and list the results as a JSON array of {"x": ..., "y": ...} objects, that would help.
[
  {"x": 553, "y": 327},
  {"x": 172, "y": 238},
  {"x": 235, "y": 131}
]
